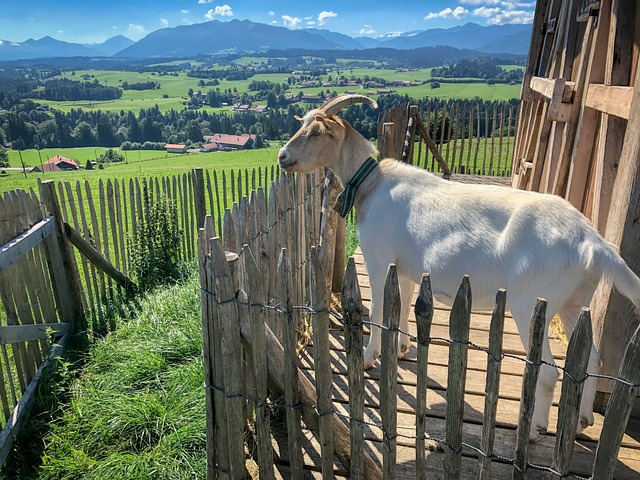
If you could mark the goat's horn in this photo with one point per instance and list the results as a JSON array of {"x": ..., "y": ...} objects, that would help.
[{"x": 334, "y": 105}]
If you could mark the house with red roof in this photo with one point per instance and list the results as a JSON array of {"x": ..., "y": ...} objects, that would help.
[
  {"x": 56, "y": 164},
  {"x": 175, "y": 148},
  {"x": 229, "y": 142}
]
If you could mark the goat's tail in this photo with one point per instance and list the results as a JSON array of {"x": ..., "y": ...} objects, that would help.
[{"x": 616, "y": 270}]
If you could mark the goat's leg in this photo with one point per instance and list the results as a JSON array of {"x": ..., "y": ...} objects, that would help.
[
  {"x": 569, "y": 316},
  {"x": 547, "y": 377},
  {"x": 372, "y": 352},
  {"x": 407, "y": 286}
]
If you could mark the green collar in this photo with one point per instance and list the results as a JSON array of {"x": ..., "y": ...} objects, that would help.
[{"x": 345, "y": 200}]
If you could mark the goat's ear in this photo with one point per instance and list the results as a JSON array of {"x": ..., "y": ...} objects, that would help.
[
  {"x": 326, "y": 122},
  {"x": 300, "y": 119}
]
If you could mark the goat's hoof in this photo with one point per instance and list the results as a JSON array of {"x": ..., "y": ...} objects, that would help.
[
  {"x": 537, "y": 433},
  {"x": 585, "y": 422},
  {"x": 370, "y": 359}
]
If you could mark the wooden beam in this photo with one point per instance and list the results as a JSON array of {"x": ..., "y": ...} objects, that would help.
[
  {"x": 14, "y": 423},
  {"x": 98, "y": 260},
  {"x": 25, "y": 333},
  {"x": 20, "y": 246},
  {"x": 433, "y": 147},
  {"x": 548, "y": 86},
  {"x": 613, "y": 100}
]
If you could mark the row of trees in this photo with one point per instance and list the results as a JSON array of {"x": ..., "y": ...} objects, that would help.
[{"x": 28, "y": 127}]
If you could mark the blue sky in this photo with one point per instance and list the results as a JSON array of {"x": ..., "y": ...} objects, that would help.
[{"x": 91, "y": 21}]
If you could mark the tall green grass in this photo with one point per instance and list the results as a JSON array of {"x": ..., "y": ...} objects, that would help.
[{"x": 136, "y": 409}]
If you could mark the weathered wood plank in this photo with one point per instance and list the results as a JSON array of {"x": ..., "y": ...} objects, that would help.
[
  {"x": 547, "y": 86},
  {"x": 24, "y": 333},
  {"x": 529, "y": 383},
  {"x": 11, "y": 252},
  {"x": 610, "y": 99},
  {"x": 424, "y": 316},
  {"x": 352, "y": 311},
  {"x": 389, "y": 371},
  {"x": 459, "y": 333},
  {"x": 494, "y": 364}
]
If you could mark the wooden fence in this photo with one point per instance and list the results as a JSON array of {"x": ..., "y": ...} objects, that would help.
[
  {"x": 41, "y": 303},
  {"x": 255, "y": 300},
  {"x": 467, "y": 138}
]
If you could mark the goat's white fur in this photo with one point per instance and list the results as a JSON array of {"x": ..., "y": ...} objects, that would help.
[{"x": 532, "y": 244}]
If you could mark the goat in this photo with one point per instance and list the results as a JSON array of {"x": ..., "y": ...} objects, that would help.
[{"x": 532, "y": 244}]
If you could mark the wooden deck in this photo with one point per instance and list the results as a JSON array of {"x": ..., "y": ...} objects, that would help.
[{"x": 508, "y": 406}]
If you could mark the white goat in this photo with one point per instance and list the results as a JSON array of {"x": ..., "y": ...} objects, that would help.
[{"x": 532, "y": 244}]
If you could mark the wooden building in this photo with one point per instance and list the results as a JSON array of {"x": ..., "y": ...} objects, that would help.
[{"x": 579, "y": 135}]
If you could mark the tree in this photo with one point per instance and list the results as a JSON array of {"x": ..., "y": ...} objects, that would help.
[{"x": 4, "y": 158}]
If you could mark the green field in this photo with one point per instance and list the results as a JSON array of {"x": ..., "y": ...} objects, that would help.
[
  {"x": 146, "y": 166},
  {"x": 176, "y": 87}
]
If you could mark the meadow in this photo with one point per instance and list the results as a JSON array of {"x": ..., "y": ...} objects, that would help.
[
  {"x": 140, "y": 164},
  {"x": 172, "y": 93}
]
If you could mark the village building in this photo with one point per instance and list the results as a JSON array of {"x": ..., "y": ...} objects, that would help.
[
  {"x": 57, "y": 163},
  {"x": 175, "y": 148},
  {"x": 229, "y": 142}
]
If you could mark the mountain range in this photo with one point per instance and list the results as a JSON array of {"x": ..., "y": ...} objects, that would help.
[{"x": 243, "y": 35}]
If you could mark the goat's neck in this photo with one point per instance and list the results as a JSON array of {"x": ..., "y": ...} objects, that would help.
[{"x": 346, "y": 168}]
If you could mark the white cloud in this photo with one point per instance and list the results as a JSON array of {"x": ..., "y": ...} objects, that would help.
[
  {"x": 136, "y": 29},
  {"x": 61, "y": 31},
  {"x": 1, "y": 42},
  {"x": 186, "y": 21},
  {"x": 164, "y": 22},
  {"x": 271, "y": 13},
  {"x": 184, "y": 12},
  {"x": 291, "y": 22},
  {"x": 274, "y": 22},
  {"x": 498, "y": 16},
  {"x": 367, "y": 30},
  {"x": 457, "y": 13},
  {"x": 325, "y": 16},
  {"x": 311, "y": 22},
  {"x": 219, "y": 11},
  {"x": 480, "y": 2},
  {"x": 391, "y": 34},
  {"x": 205, "y": 1}
]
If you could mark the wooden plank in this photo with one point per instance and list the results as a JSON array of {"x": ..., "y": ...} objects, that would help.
[
  {"x": 389, "y": 372},
  {"x": 572, "y": 385},
  {"x": 292, "y": 395},
  {"x": 320, "y": 304},
  {"x": 207, "y": 313},
  {"x": 21, "y": 410},
  {"x": 529, "y": 383},
  {"x": 24, "y": 333},
  {"x": 459, "y": 333},
  {"x": 11, "y": 252},
  {"x": 494, "y": 364},
  {"x": 98, "y": 260},
  {"x": 352, "y": 311},
  {"x": 424, "y": 316},
  {"x": 256, "y": 296},
  {"x": 547, "y": 87},
  {"x": 611, "y": 99},
  {"x": 231, "y": 358}
]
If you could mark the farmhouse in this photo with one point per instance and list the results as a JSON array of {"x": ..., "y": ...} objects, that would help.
[
  {"x": 210, "y": 147},
  {"x": 175, "y": 148},
  {"x": 229, "y": 142},
  {"x": 56, "y": 164}
]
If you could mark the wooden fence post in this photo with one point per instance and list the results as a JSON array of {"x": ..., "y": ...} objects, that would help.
[
  {"x": 67, "y": 283},
  {"x": 199, "y": 198},
  {"x": 352, "y": 311},
  {"x": 339, "y": 256},
  {"x": 329, "y": 226},
  {"x": 529, "y": 382},
  {"x": 575, "y": 369},
  {"x": 492, "y": 389},
  {"x": 424, "y": 317},
  {"x": 456, "y": 378},
  {"x": 292, "y": 396},
  {"x": 389, "y": 372}
]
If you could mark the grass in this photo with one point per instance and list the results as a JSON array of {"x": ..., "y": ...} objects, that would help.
[
  {"x": 136, "y": 410},
  {"x": 140, "y": 164}
]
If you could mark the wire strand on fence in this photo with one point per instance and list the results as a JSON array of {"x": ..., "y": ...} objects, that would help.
[{"x": 457, "y": 450}]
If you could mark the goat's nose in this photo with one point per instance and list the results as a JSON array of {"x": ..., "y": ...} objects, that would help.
[{"x": 283, "y": 155}]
